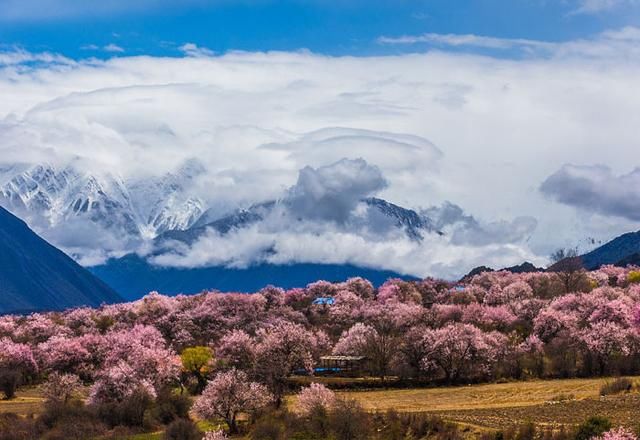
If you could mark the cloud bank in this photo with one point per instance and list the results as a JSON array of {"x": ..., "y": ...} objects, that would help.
[
  {"x": 480, "y": 132},
  {"x": 596, "y": 189},
  {"x": 323, "y": 219},
  {"x": 609, "y": 44},
  {"x": 332, "y": 192}
]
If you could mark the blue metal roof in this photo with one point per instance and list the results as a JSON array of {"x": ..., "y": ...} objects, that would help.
[{"x": 325, "y": 301}]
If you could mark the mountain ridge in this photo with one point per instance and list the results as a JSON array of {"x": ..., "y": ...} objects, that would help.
[
  {"x": 133, "y": 277},
  {"x": 613, "y": 252},
  {"x": 138, "y": 208},
  {"x": 35, "y": 276}
]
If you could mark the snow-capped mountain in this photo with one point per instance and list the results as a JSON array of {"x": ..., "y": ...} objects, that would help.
[
  {"x": 164, "y": 203},
  {"x": 415, "y": 225},
  {"x": 93, "y": 215},
  {"x": 51, "y": 197}
]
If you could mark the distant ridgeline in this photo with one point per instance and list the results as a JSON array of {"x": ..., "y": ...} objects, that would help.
[
  {"x": 35, "y": 276},
  {"x": 622, "y": 251},
  {"x": 133, "y": 277}
]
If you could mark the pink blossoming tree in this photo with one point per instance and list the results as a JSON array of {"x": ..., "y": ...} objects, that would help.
[{"x": 229, "y": 394}]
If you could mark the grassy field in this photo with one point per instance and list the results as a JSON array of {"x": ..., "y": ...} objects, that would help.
[
  {"x": 492, "y": 406},
  {"x": 28, "y": 401},
  {"x": 551, "y": 402}
]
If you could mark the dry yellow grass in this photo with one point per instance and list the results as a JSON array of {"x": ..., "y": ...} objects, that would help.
[
  {"x": 508, "y": 404},
  {"x": 622, "y": 410},
  {"x": 506, "y": 395},
  {"x": 28, "y": 401},
  {"x": 489, "y": 406}
]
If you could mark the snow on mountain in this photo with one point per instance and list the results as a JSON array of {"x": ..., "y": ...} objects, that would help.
[
  {"x": 164, "y": 204},
  {"x": 377, "y": 214},
  {"x": 414, "y": 224},
  {"x": 50, "y": 196},
  {"x": 94, "y": 215}
]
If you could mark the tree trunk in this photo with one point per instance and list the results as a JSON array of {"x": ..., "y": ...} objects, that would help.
[
  {"x": 233, "y": 425},
  {"x": 202, "y": 383}
]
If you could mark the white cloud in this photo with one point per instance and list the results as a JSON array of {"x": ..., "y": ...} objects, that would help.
[
  {"x": 465, "y": 230},
  {"x": 193, "y": 50},
  {"x": 332, "y": 192},
  {"x": 322, "y": 219},
  {"x": 17, "y": 56},
  {"x": 598, "y": 6},
  {"x": 480, "y": 131},
  {"x": 321, "y": 243},
  {"x": 609, "y": 44},
  {"x": 111, "y": 47},
  {"x": 596, "y": 189},
  {"x": 466, "y": 40}
]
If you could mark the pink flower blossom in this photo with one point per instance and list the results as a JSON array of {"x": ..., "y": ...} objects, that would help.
[
  {"x": 315, "y": 396},
  {"x": 618, "y": 434},
  {"x": 61, "y": 387},
  {"x": 117, "y": 383},
  {"x": 237, "y": 349},
  {"x": 229, "y": 394},
  {"x": 215, "y": 435}
]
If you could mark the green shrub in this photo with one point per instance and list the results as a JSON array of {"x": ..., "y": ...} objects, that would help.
[
  {"x": 268, "y": 427},
  {"x": 170, "y": 406},
  {"x": 182, "y": 429},
  {"x": 57, "y": 414},
  {"x": 13, "y": 427},
  {"x": 563, "y": 397},
  {"x": 130, "y": 412},
  {"x": 634, "y": 277},
  {"x": 561, "y": 434},
  {"x": 196, "y": 361},
  {"x": 526, "y": 432},
  {"x": 349, "y": 421},
  {"x": 593, "y": 427},
  {"x": 80, "y": 429},
  {"x": 9, "y": 382},
  {"x": 319, "y": 421}
]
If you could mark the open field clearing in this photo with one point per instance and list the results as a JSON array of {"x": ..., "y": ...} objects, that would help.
[
  {"x": 567, "y": 401},
  {"x": 491, "y": 406},
  {"x": 504, "y": 395},
  {"x": 28, "y": 401},
  {"x": 622, "y": 410}
]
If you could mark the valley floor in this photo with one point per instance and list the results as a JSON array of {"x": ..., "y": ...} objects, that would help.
[
  {"x": 480, "y": 407},
  {"x": 498, "y": 406},
  {"x": 27, "y": 401}
]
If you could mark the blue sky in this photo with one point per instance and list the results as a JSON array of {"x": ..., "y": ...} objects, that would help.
[{"x": 80, "y": 29}]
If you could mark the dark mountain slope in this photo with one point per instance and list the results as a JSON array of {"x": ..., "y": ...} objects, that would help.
[
  {"x": 614, "y": 252},
  {"x": 133, "y": 277},
  {"x": 34, "y": 275},
  {"x": 631, "y": 260}
]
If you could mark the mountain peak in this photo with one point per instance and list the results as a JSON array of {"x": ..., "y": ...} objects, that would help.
[{"x": 50, "y": 196}]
